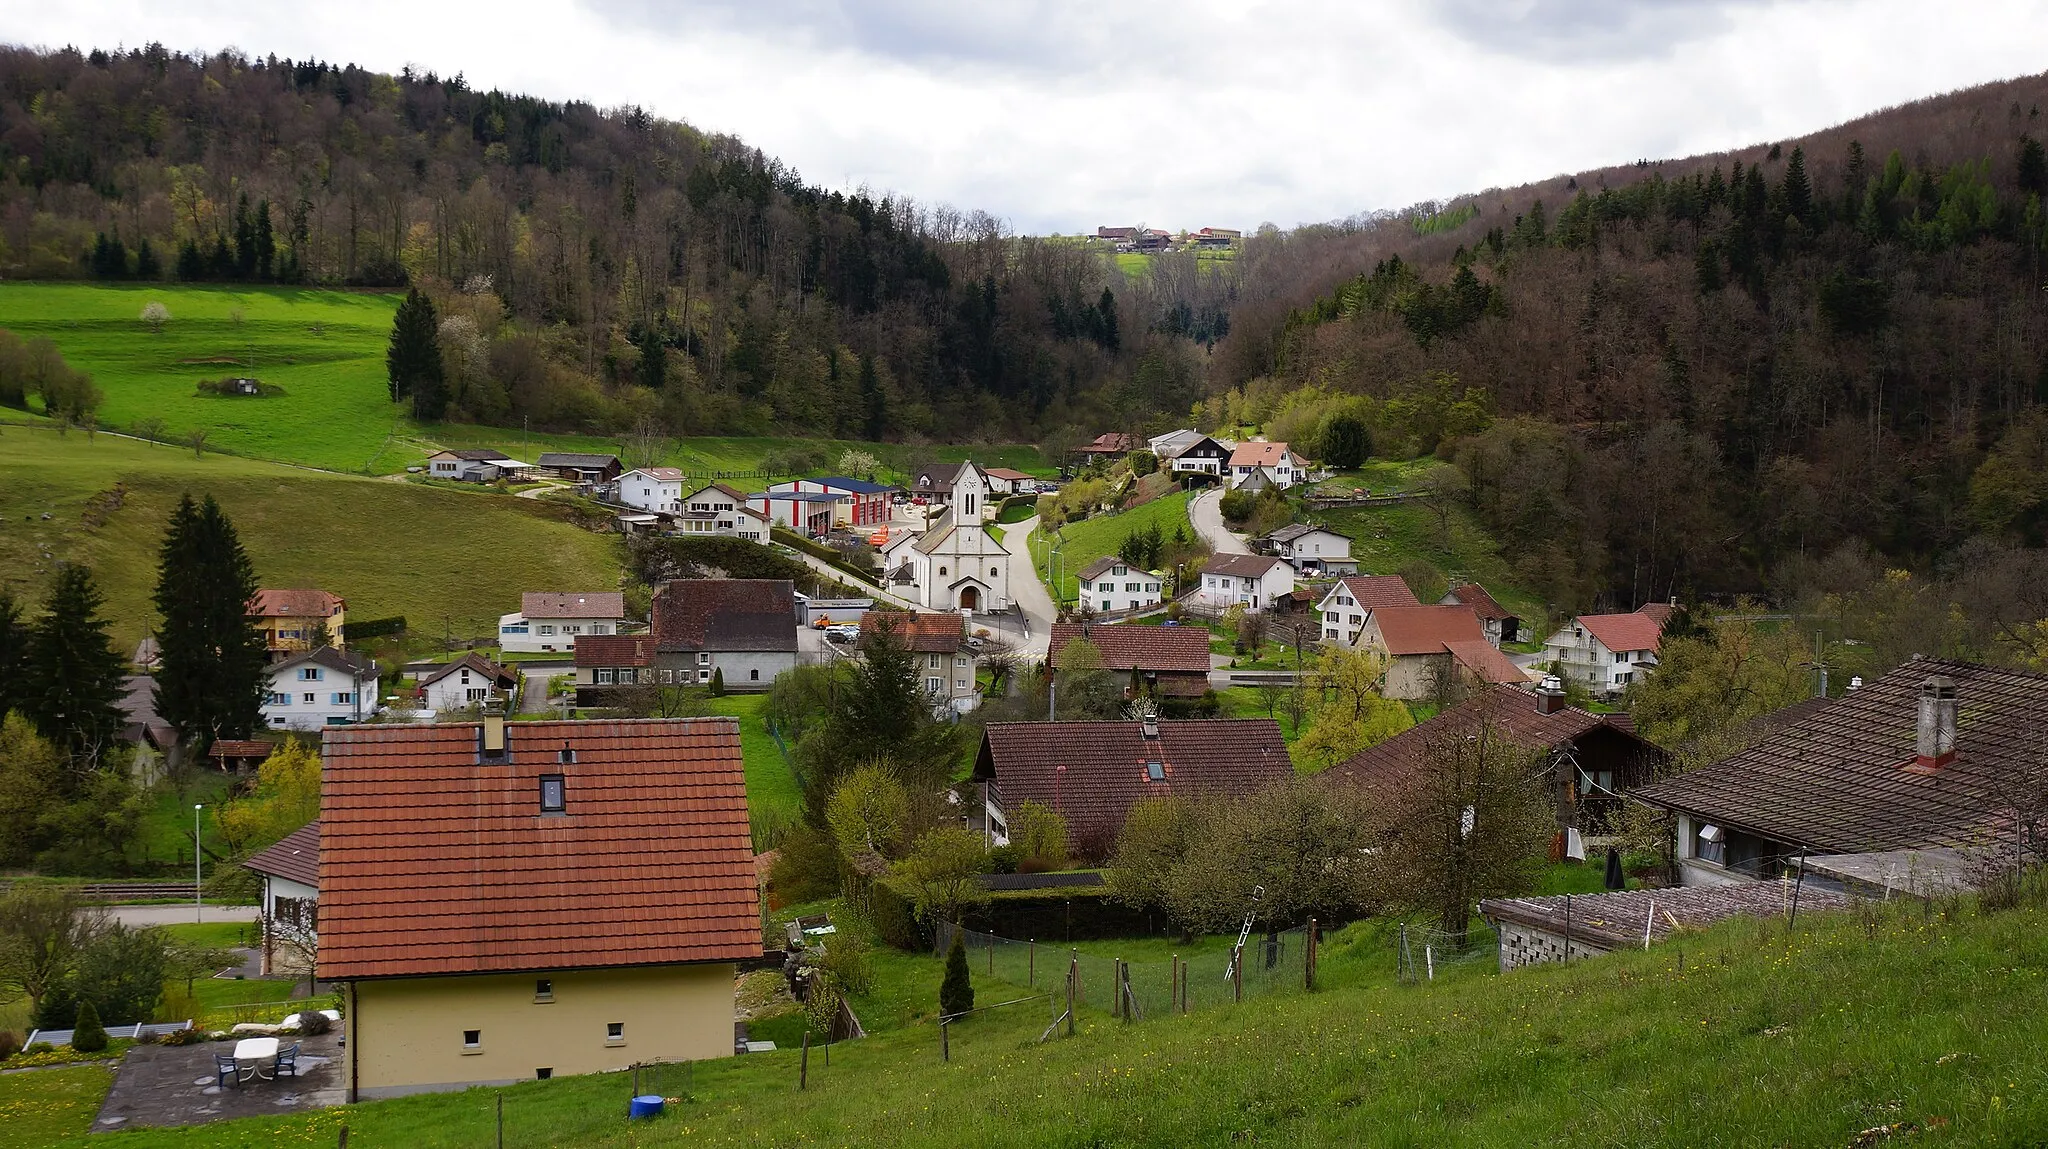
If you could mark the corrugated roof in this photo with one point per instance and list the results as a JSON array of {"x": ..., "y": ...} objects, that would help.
[
  {"x": 1007, "y": 475},
  {"x": 296, "y": 856},
  {"x": 576, "y": 459},
  {"x": 1176, "y": 649},
  {"x": 1426, "y": 629},
  {"x": 302, "y": 602},
  {"x": 1376, "y": 591},
  {"x": 857, "y": 486},
  {"x": 1620, "y": 632},
  {"x": 1837, "y": 778},
  {"x": 724, "y": 614},
  {"x": 573, "y": 604},
  {"x": 1482, "y": 603},
  {"x": 1105, "y": 765},
  {"x": 432, "y": 862}
]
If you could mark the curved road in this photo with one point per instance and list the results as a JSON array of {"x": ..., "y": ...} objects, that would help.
[
  {"x": 1028, "y": 591},
  {"x": 1205, "y": 512}
]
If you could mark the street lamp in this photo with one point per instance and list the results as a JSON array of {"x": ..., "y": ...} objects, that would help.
[{"x": 198, "y": 906}]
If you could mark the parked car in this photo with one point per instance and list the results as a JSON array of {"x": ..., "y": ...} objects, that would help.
[{"x": 843, "y": 632}]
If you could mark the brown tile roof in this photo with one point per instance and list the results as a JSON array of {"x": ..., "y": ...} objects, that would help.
[
  {"x": 573, "y": 604},
  {"x": 1661, "y": 611},
  {"x": 1006, "y": 474},
  {"x": 923, "y": 633},
  {"x": 239, "y": 748},
  {"x": 1088, "y": 573},
  {"x": 296, "y": 856},
  {"x": 1482, "y": 603},
  {"x": 724, "y": 614},
  {"x": 1426, "y": 629},
  {"x": 615, "y": 650},
  {"x": 577, "y": 459},
  {"x": 1615, "y": 919},
  {"x": 1376, "y": 591},
  {"x": 1181, "y": 649},
  {"x": 432, "y": 862},
  {"x": 1637, "y": 631},
  {"x": 1257, "y": 454},
  {"x": 1243, "y": 566},
  {"x": 1106, "y": 766},
  {"x": 1108, "y": 443},
  {"x": 296, "y": 603},
  {"x": 1837, "y": 779},
  {"x": 1481, "y": 658},
  {"x": 477, "y": 663},
  {"x": 1513, "y": 714},
  {"x": 663, "y": 474}
]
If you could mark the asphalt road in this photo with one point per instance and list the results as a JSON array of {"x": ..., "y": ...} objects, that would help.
[
  {"x": 171, "y": 915},
  {"x": 1205, "y": 511},
  {"x": 1028, "y": 592}
]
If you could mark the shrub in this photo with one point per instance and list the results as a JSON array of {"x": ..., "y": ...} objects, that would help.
[
  {"x": 183, "y": 1037},
  {"x": 718, "y": 683},
  {"x": 10, "y": 1043},
  {"x": 956, "y": 993},
  {"x": 806, "y": 866},
  {"x": 1237, "y": 506},
  {"x": 313, "y": 1023},
  {"x": 1005, "y": 859},
  {"x": 89, "y": 1036}
]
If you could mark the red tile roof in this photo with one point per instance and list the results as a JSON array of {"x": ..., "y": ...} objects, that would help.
[
  {"x": 724, "y": 614},
  {"x": 1257, "y": 454},
  {"x": 573, "y": 604},
  {"x": 476, "y": 662},
  {"x": 615, "y": 650},
  {"x": 1106, "y": 766},
  {"x": 1481, "y": 658},
  {"x": 295, "y": 857},
  {"x": 1482, "y": 603},
  {"x": 1376, "y": 591},
  {"x": 1618, "y": 632},
  {"x": 1426, "y": 629},
  {"x": 1109, "y": 443},
  {"x": 239, "y": 748},
  {"x": 294, "y": 603},
  {"x": 434, "y": 862},
  {"x": 923, "y": 633},
  {"x": 1661, "y": 611},
  {"x": 1183, "y": 649}
]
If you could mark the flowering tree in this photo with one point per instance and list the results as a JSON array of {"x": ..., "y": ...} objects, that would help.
[{"x": 155, "y": 315}]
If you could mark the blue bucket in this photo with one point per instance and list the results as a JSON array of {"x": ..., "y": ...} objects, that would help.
[{"x": 647, "y": 1106}]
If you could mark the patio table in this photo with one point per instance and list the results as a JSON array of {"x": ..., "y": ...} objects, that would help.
[{"x": 254, "y": 1055}]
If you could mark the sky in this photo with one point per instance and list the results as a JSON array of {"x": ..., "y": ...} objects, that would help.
[{"x": 1061, "y": 115}]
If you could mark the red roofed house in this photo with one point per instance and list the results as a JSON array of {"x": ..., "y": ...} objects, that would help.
[
  {"x": 1274, "y": 461},
  {"x": 606, "y": 662},
  {"x": 1092, "y": 773},
  {"x": 1424, "y": 644},
  {"x": 1005, "y": 481},
  {"x": 1172, "y": 661},
  {"x": 290, "y": 619},
  {"x": 510, "y": 901},
  {"x": 1500, "y": 625},
  {"x": 554, "y": 620},
  {"x": 1606, "y": 652},
  {"x": 290, "y": 902},
  {"x": 939, "y": 643},
  {"x": 1108, "y": 445},
  {"x": 1256, "y": 582},
  {"x": 1349, "y": 601},
  {"x": 1111, "y": 584}
]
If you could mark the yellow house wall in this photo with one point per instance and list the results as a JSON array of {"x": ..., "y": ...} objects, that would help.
[{"x": 406, "y": 1034}]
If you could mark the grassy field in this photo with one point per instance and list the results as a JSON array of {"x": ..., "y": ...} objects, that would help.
[
  {"x": 1090, "y": 539},
  {"x": 1385, "y": 540},
  {"x": 42, "y": 1107},
  {"x": 772, "y": 793},
  {"x": 440, "y": 558},
  {"x": 326, "y": 350},
  {"x": 1929, "y": 1022}
]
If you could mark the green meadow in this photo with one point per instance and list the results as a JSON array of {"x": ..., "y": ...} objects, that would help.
[{"x": 1090, "y": 539}]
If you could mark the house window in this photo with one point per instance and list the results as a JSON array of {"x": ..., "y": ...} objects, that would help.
[
  {"x": 553, "y": 794},
  {"x": 573, "y": 628},
  {"x": 600, "y": 628},
  {"x": 754, "y": 675},
  {"x": 703, "y": 658},
  {"x": 959, "y": 684},
  {"x": 309, "y": 674},
  {"x": 544, "y": 1073},
  {"x": 935, "y": 685},
  {"x": 514, "y": 628},
  {"x": 703, "y": 676},
  {"x": 1155, "y": 771},
  {"x": 543, "y": 989},
  {"x": 615, "y": 1033},
  {"x": 308, "y": 698},
  {"x": 472, "y": 1041},
  {"x": 960, "y": 662},
  {"x": 604, "y": 677},
  {"x": 1711, "y": 844},
  {"x": 476, "y": 695},
  {"x": 992, "y": 573},
  {"x": 942, "y": 572},
  {"x": 278, "y": 698},
  {"x": 547, "y": 628},
  {"x": 342, "y": 698}
]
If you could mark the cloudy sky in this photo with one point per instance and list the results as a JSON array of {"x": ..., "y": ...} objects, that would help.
[{"x": 1058, "y": 115}]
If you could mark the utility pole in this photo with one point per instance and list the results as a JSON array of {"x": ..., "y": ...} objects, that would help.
[{"x": 198, "y": 906}]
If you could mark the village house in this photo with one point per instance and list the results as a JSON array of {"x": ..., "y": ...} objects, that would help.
[
  {"x": 1173, "y": 442},
  {"x": 474, "y": 466},
  {"x": 1592, "y": 760},
  {"x": 866, "y": 503},
  {"x": 555, "y": 620},
  {"x": 1350, "y": 601},
  {"x": 1111, "y": 584},
  {"x": 586, "y": 917},
  {"x": 1266, "y": 462},
  {"x": 741, "y": 629},
  {"x": 1204, "y": 456},
  {"x": 1889, "y": 787},
  {"x": 577, "y": 467},
  {"x": 1165, "y": 661},
  {"x": 471, "y": 680},
  {"x": 716, "y": 509},
  {"x": 292, "y": 620},
  {"x": 1106, "y": 446},
  {"x": 1606, "y": 652},
  {"x": 158, "y": 749},
  {"x": 1500, "y": 625},
  {"x": 1431, "y": 648},
  {"x": 954, "y": 565},
  {"x": 316, "y": 688},
  {"x": 1311, "y": 550},
  {"x": 1092, "y": 773},
  {"x": 808, "y": 513},
  {"x": 289, "y": 901},
  {"x": 605, "y": 663},
  {"x": 1255, "y": 582},
  {"x": 1561, "y": 928},
  {"x": 1004, "y": 482},
  {"x": 655, "y": 489},
  {"x": 938, "y": 641},
  {"x": 959, "y": 487}
]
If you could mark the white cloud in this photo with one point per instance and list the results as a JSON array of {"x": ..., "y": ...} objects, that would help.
[{"x": 1058, "y": 115}]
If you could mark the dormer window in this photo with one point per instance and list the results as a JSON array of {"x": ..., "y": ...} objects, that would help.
[
  {"x": 553, "y": 794},
  {"x": 565, "y": 755},
  {"x": 1155, "y": 771}
]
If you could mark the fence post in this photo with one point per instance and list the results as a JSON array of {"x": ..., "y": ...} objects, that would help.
[
  {"x": 945, "y": 1047},
  {"x": 1401, "y": 959},
  {"x": 343, "y": 1143},
  {"x": 1173, "y": 986},
  {"x": 1567, "y": 929},
  {"x": 1237, "y": 979},
  {"x": 1308, "y": 961},
  {"x": 1031, "y": 966},
  {"x": 1429, "y": 958},
  {"x": 1070, "y": 1003},
  {"x": 803, "y": 1067},
  {"x": 501, "y": 1121}
]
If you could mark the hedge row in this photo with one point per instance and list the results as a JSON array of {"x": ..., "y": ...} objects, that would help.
[
  {"x": 372, "y": 628},
  {"x": 819, "y": 550},
  {"x": 1063, "y": 914}
]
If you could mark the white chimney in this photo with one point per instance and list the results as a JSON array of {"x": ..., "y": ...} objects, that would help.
[
  {"x": 1935, "y": 731},
  {"x": 1550, "y": 695}
]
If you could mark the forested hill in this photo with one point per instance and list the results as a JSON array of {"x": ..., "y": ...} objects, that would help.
[
  {"x": 620, "y": 267},
  {"x": 1730, "y": 366}
]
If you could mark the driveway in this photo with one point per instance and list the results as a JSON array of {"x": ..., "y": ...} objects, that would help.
[
  {"x": 177, "y": 915},
  {"x": 1029, "y": 593},
  {"x": 159, "y": 1085},
  {"x": 1205, "y": 511}
]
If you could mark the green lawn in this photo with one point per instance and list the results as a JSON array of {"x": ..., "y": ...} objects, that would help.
[
  {"x": 1090, "y": 539},
  {"x": 772, "y": 791},
  {"x": 45, "y": 1106},
  {"x": 444, "y": 560},
  {"x": 1244, "y": 702},
  {"x": 1385, "y": 539},
  {"x": 221, "y": 935},
  {"x": 1928, "y": 1021}
]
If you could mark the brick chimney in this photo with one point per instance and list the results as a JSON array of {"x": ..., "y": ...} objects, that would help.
[
  {"x": 1550, "y": 695},
  {"x": 1149, "y": 727},
  {"x": 1935, "y": 731}
]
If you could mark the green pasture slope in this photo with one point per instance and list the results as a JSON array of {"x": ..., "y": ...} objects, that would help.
[
  {"x": 442, "y": 558},
  {"x": 1090, "y": 539}
]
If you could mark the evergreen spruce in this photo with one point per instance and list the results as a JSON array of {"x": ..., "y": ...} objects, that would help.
[
  {"x": 2033, "y": 167},
  {"x": 1795, "y": 192},
  {"x": 221, "y": 264},
  {"x": 13, "y": 656},
  {"x": 653, "y": 372},
  {"x": 1346, "y": 442},
  {"x": 87, "y": 1034},
  {"x": 266, "y": 242},
  {"x": 213, "y": 660},
  {"x": 414, "y": 360},
  {"x": 146, "y": 265},
  {"x": 718, "y": 683},
  {"x": 245, "y": 239},
  {"x": 1107, "y": 306},
  {"x": 74, "y": 672},
  {"x": 874, "y": 406},
  {"x": 191, "y": 264},
  {"x": 956, "y": 993}
]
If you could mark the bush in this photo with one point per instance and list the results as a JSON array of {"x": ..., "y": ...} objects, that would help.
[
  {"x": 1005, "y": 859},
  {"x": 89, "y": 1036},
  {"x": 956, "y": 993},
  {"x": 718, "y": 683},
  {"x": 313, "y": 1023},
  {"x": 806, "y": 866},
  {"x": 1237, "y": 506},
  {"x": 183, "y": 1037},
  {"x": 1143, "y": 463},
  {"x": 10, "y": 1043}
]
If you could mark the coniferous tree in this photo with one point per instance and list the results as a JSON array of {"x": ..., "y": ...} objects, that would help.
[
  {"x": 191, "y": 264},
  {"x": 13, "y": 656},
  {"x": 1107, "y": 306},
  {"x": 213, "y": 660},
  {"x": 266, "y": 242},
  {"x": 874, "y": 406},
  {"x": 414, "y": 360},
  {"x": 74, "y": 672},
  {"x": 146, "y": 265},
  {"x": 653, "y": 370},
  {"x": 87, "y": 1034},
  {"x": 1795, "y": 192},
  {"x": 2033, "y": 166},
  {"x": 956, "y": 992}
]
